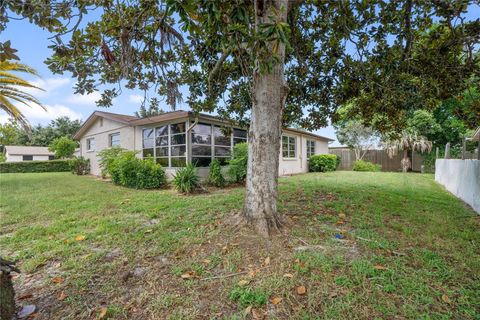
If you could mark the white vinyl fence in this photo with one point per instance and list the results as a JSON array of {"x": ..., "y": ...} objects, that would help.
[{"x": 462, "y": 178}]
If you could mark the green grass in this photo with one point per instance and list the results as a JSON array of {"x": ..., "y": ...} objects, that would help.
[{"x": 410, "y": 249}]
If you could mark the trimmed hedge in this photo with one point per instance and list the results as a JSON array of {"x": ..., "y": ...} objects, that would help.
[
  {"x": 361, "y": 165},
  {"x": 35, "y": 166},
  {"x": 322, "y": 163}
]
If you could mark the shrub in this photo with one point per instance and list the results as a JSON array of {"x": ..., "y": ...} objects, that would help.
[
  {"x": 35, "y": 166},
  {"x": 322, "y": 163},
  {"x": 248, "y": 297},
  {"x": 107, "y": 157},
  {"x": 237, "y": 169},
  {"x": 2, "y": 158},
  {"x": 215, "y": 176},
  {"x": 64, "y": 147},
  {"x": 80, "y": 166},
  {"x": 361, "y": 165},
  {"x": 129, "y": 171},
  {"x": 186, "y": 179}
]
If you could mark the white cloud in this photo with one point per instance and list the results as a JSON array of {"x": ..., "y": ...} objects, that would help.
[
  {"x": 49, "y": 85},
  {"x": 35, "y": 114},
  {"x": 84, "y": 99},
  {"x": 135, "y": 98}
]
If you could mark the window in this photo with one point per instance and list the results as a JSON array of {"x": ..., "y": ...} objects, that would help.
[
  {"x": 310, "y": 148},
  {"x": 202, "y": 145},
  {"x": 167, "y": 144},
  {"x": 239, "y": 136},
  {"x": 91, "y": 144},
  {"x": 27, "y": 158},
  {"x": 288, "y": 147},
  {"x": 115, "y": 139},
  {"x": 51, "y": 157}
]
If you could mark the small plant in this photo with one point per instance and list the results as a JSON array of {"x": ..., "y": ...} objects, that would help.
[
  {"x": 322, "y": 163},
  {"x": 129, "y": 171},
  {"x": 80, "y": 166},
  {"x": 361, "y": 165},
  {"x": 248, "y": 297},
  {"x": 186, "y": 179},
  {"x": 215, "y": 176},
  {"x": 106, "y": 159},
  {"x": 64, "y": 147},
  {"x": 150, "y": 175},
  {"x": 237, "y": 169}
]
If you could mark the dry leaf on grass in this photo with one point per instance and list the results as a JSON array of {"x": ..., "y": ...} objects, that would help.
[
  {"x": 80, "y": 237},
  {"x": 242, "y": 283},
  {"x": 276, "y": 300},
  {"x": 258, "y": 314},
  {"x": 288, "y": 275},
  {"x": 25, "y": 296},
  {"x": 189, "y": 275},
  {"x": 58, "y": 280},
  {"x": 379, "y": 267},
  {"x": 62, "y": 296},
  {"x": 301, "y": 290},
  {"x": 266, "y": 262},
  {"x": 342, "y": 215},
  {"x": 247, "y": 311},
  {"x": 103, "y": 313},
  {"x": 446, "y": 299}
]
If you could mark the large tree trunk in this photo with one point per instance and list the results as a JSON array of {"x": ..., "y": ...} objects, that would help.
[{"x": 269, "y": 94}]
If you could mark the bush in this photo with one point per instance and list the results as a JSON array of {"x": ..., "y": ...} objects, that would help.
[
  {"x": 237, "y": 170},
  {"x": 107, "y": 158},
  {"x": 64, "y": 147},
  {"x": 35, "y": 166},
  {"x": 80, "y": 166},
  {"x": 361, "y": 165},
  {"x": 215, "y": 176},
  {"x": 322, "y": 163},
  {"x": 186, "y": 179},
  {"x": 129, "y": 171}
]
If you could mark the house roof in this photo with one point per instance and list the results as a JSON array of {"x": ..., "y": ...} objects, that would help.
[
  {"x": 28, "y": 150},
  {"x": 135, "y": 121}
]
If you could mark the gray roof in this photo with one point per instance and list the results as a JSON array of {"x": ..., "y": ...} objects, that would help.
[{"x": 28, "y": 150}]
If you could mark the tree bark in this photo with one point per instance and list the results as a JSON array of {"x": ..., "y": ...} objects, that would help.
[{"x": 269, "y": 95}]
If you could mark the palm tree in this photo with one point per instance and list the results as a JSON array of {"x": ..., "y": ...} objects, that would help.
[
  {"x": 11, "y": 90},
  {"x": 408, "y": 140}
]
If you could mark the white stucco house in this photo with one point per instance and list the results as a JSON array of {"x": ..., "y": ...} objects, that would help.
[
  {"x": 27, "y": 153},
  {"x": 176, "y": 138}
]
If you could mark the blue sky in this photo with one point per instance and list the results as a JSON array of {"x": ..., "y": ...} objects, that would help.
[{"x": 59, "y": 98}]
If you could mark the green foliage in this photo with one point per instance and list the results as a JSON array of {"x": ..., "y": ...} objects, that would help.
[
  {"x": 64, "y": 147},
  {"x": 80, "y": 166},
  {"x": 246, "y": 296},
  {"x": 35, "y": 166},
  {"x": 356, "y": 136},
  {"x": 215, "y": 176},
  {"x": 3, "y": 158},
  {"x": 129, "y": 171},
  {"x": 361, "y": 165},
  {"x": 322, "y": 163},
  {"x": 10, "y": 133},
  {"x": 107, "y": 158},
  {"x": 237, "y": 170},
  {"x": 186, "y": 179}
]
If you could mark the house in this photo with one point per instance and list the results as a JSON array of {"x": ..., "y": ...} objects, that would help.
[
  {"x": 27, "y": 153},
  {"x": 176, "y": 138}
]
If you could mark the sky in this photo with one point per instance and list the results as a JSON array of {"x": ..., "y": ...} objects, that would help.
[{"x": 59, "y": 99}]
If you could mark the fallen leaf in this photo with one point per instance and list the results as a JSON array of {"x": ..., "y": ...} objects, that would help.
[
  {"x": 332, "y": 295},
  {"x": 50, "y": 237},
  {"x": 26, "y": 311},
  {"x": 58, "y": 280},
  {"x": 266, "y": 262},
  {"x": 288, "y": 275},
  {"x": 207, "y": 261},
  {"x": 62, "y": 296},
  {"x": 342, "y": 215},
  {"x": 258, "y": 314},
  {"x": 247, "y": 311},
  {"x": 242, "y": 283},
  {"x": 102, "y": 313},
  {"x": 446, "y": 299},
  {"x": 25, "y": 296},
  {"x": 379, "y": 267},
  {"x": 189, "y": 275},
  {"x": 57, "y": 264},
  {"x": 301, "y": 290},
  {"x": 276, "y": 300},
  {"x": 80, "y": 238},
  {"x": 340, "y": 222}
]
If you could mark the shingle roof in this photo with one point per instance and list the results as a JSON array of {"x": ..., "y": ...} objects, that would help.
[{"x": 28, "y": 150}]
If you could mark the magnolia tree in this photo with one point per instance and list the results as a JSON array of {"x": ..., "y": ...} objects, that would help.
[
  {"x": 265, "y": 62},
  {"x": 356, "y": 136}
]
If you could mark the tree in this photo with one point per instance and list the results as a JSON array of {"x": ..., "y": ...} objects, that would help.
[
  {"x": 153, "y": 109},
  {"x": 273, "y": 62},
  {"x": 356, "y": 136},
  {"x": 9, "y": 133},
  {"x": 408, "y": 140},
  {"x": 64, "y": 147},
  {"x": 11, "y": 90}
]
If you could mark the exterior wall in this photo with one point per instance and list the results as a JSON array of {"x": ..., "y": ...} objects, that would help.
[
  {"x": 19, "y": 158},
  {"x": 100, "y": 131},
  {"x": 299, "y": 164},
  {"x": 462, "y": 178}
]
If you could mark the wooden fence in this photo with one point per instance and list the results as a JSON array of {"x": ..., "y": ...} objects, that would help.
[{"x": 347, "y": 158}]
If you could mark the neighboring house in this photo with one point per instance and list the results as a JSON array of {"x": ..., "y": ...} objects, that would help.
[
  {"x": 27, "y": 153},
  {"x": 176, "y": 138}
]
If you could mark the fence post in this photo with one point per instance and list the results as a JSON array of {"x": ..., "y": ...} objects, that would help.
[
  {"x": 464, "y": 147},
  {"x": 436, "y": 152},
  {"x": 447, "y": 150}
]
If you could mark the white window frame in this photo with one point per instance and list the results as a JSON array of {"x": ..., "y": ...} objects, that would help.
[
  {"x": 310, "y": 144},
  {"x": 89, "y": 144},
  {"x": 289, "y": 156},
  {"x": 110, "y": 136}
]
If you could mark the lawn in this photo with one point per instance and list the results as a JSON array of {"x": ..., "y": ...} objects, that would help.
[{"x": 355, "y": 245}]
